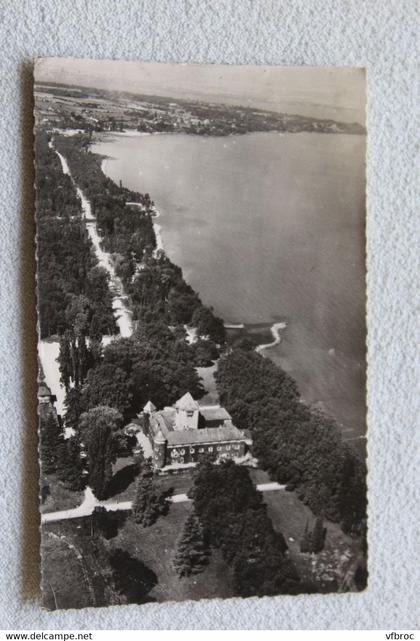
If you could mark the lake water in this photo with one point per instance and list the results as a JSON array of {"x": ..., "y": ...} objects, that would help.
[{"x": 268, "y": 227}]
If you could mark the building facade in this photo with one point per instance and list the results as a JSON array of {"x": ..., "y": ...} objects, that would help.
[{"x": 182, "y": 434}]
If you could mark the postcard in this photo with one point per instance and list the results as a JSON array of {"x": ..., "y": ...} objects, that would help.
[{"x": 201, "y": 318}]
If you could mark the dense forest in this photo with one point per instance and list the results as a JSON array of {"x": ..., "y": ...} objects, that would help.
[
  {"x": 72, "y": 289},
  {"x": 153, "y": 364},
  {"x": 294, "y": 443}
]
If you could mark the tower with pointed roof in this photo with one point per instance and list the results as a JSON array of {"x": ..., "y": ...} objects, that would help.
[
  {"x": 184, "y": 432},
  {"x": 159, "y": 449},
  {"x": 148, "y": 410},
  {"x": 187, "y": 413}
]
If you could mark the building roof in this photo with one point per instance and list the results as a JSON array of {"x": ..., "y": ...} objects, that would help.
[
  {"x": 187, "y": 402},
  {"x": 205, "y": 435},
  {"x": 166, "y": 419},
  {"x": 43, "y": 389},
  {"x": 214, "y": 413},
  {"x": 149, "y": 408},
  {"x": 162, "y": 426},
  {"x": 159, "y": 438},
  {"x": 162, "y": 422}
]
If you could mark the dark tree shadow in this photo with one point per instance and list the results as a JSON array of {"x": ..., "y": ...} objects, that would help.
[
  {"x": 122, "y": 479},
  {"x": 132, "y": 577},
  {"x": 108, "y": 522},
  {"x": 30, "y": 538}
]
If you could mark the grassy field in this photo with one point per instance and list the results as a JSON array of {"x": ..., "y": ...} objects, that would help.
[
  {"x": 290, "y": 517},
  {"x": 123, "y": 485},
  {"x": 327, "y": 568},
  {"x": 156, "y": 546},
  {"x": 76, "y": 574},
  {"x": 55, "y": 496}
]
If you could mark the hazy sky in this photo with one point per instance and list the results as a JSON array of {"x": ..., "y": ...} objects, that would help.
[{"x": 329, "y": 92}]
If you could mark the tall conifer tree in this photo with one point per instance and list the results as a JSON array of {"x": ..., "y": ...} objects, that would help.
[
  {"x": 149, "y": 501},
  {"x": 193, "y": 552}
]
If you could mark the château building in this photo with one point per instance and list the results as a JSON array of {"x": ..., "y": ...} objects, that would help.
[{"x": 183, "y": 433}]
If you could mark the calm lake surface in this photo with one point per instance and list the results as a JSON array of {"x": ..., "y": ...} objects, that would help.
[{"x": 268, "y": 227}]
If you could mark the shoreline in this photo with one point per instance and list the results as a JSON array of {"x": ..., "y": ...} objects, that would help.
[
  {"x": 261, "y": 339},
  {"x": 158, "y": 231},
  {"x": 155, "y": 211},
  {"x": 134, "y": 133},
  {"x": 276, "y": 330}
]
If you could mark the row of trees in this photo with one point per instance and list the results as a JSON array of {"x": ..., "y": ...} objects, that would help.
[
  {"x": 68, "y": 276},
  {"x": 76, "y": 358},
  {"x": 297, "y": 445},
  {"x": 125, "y": 229},
  {"x": 158, "y": 288},
  {"x": 58, "y": 455}
]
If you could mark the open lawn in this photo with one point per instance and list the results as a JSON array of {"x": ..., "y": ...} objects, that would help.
[
  {"x": 326, "y": 569},
  {"x": 123, "y": 484},
  {"x": 76, "y": 573},
  {"x": 156, "y": 546},
  {"x": 55, "y": 496}
]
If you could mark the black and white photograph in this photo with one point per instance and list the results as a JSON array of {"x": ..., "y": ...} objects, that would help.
[{"x": 201, "y": 298}]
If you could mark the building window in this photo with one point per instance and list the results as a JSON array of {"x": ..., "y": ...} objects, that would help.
[
  {"x": 228, "y": 447},
  {"x": 182, "y": 452},
  {"x": 190, "y": 414},
  {"x": 218, "y": 448},
  {"x": 210, "y": 449},
  {"x": 192, "y": 450},
  {"x": 181, "y": 459},
  {"x": 174, "y": 453},
  {"x": 201, "y": 450}
]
